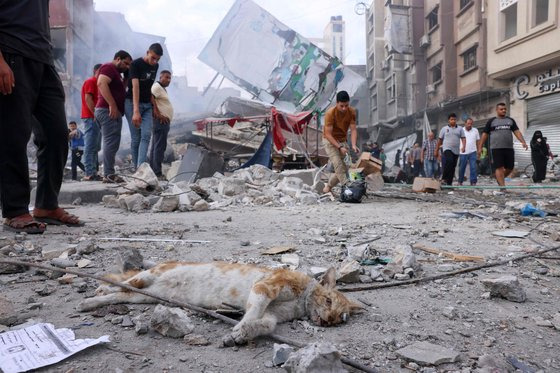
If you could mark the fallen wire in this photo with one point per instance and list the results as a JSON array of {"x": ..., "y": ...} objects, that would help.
[
  {"x": 227, "y": 320},
  {"x": 458, "y": 272}
]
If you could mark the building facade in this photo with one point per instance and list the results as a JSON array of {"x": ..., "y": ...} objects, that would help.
[
  {"x": 524, "y": 58},
  {"x": 334, "y": 38}
]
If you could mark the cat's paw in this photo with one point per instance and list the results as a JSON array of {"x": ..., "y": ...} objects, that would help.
[{"x": 234, "y": 339}]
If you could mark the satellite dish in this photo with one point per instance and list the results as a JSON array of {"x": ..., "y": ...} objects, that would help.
[{"x": 360, "y": 8}]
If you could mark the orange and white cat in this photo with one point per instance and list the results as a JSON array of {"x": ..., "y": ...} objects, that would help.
[{"x": 268, "y": 296}]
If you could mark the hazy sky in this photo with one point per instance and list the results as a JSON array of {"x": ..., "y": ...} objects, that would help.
[{"x": 189, "y": 24}]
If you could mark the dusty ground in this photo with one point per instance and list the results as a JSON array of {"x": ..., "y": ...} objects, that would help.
[{"x": 397, "y": 316}]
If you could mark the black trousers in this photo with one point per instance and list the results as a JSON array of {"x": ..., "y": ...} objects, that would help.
[
  {"x": 35, "y": 104},
  {"x": 159, "y": 145},
  {"x": 77, "y": 162},
  {"x": 539, "y": 164},
  {"x": 449, "y": 163}
]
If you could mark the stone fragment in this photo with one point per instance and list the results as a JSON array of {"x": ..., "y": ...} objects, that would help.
[
  {"x": 316, "y": 272},
  {"x": 45, "y": 290},
  {"x": 409, "y": 272},
  {"x": 348, "y": 271},
  {"x": 54, "y": 250},
  {"x": 492, "y": 364},
  {"x": 290, "y": 259},
  {"x": 136, "y": 202},
  {"x": 8, "y": 314},
  {"x": 86, "y": 247},
  {"x": 173, "y": 170},
  {"x": 231, "y": 186},
  {"x": 540, "y": 321},
  {"x": 171, "y": 322},
  {"x": 280, "y": 353},
  {"x": 292, "y": 186},
  {"x": 359, "y": 252},
  {"x": 507, "y": 287},
  {"x": 315, "y": 358},
  {"x": 7, "y": 269},
  {"x": 201, "y": 205},
  {"x": 141, "y": 325},
  {"x": 425, "y": 353},
  {"x": 401, "y": 277},
  {"x": 130, "y": 259},
  {"x": 67, "y": 279},
  {"x": 110, "y": 200},
  {"x": 449, "y": 312},
  {"x": 85, "y": 263},
  {"x": 556, "y": 321},
  {"x": 166, "y": 204},
  {"x": 405, "y": 257},
  {"x": 365, "y": 279},
  {"x": 144, "y": 180},
  {"x": 375, "y": 182},
  {"x": 196, "y": 340},
  {"x": 390, "y": 270}
]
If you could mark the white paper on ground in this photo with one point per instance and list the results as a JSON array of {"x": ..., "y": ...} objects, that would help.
[{"x": 39, "y": 345}]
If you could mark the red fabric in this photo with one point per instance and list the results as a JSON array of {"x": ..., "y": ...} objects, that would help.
[
  {"x": 90, "y": 86},
  {"x": 288, "y": 122}
]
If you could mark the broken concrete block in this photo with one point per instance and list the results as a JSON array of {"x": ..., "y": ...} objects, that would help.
[
  {"x": 315, "y": 358},
  {"x": 110, "y": 200},
  {"x": 141, "y": 325},
  {"x": 507, "y": 287},
  {"x": 390, "y": 270},
  {"x": 281, "y": 353},
  {"x": 308, "y": 198},
  {"x": 316, "y": 272},
  {"x": 359, "y": 252},
  {"x": 54, "y": 250},
  {"x": 196, "y": 340},
  {"x": 290, "y": 186},
  {"x": 62, "y": 263},
  {"x": 262, "y": 174},
  {"x": 556, "y": 321},
  {"x": 231, "y": 186},
  {"x": 130, "y": 259},
  {"x": 491, "y": 364},
  {"x": 8, "y": 314},
  {"x": 449, "y": 312},
  {"x": 173, "y": 170},
  {"x": 348, "y": 271},
  {"x": 85, "y": 263},
  {"x": 425, "y": 353},
  {"x": 375, "y": 182},
  {"x": 201, "y": 205},
  {"x": 171, "y": 322},
  {"x": 307, "y": 176},
  {"x": 166, "y": 204},
  {"x": 401, "y": 277},
  {"x": 405, "y": 257},
  {"x": 144, "y": 180},
  {"x": 127, "y": 322},
  {"x": 135, "y": 202},
  {"x": 290, "y": 259},
  {"x": 86, "y": 247}
]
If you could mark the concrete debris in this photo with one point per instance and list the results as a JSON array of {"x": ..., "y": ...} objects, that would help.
[
  {"x": 556, "y": 321},
  {"x": 375, "y": 182},
  {"x": 173, "y": 170},
  {"x": 348, "y": 271},
  {"x": 141, "y": 324},
  {"x": 425, "y": 353},
  {"x": 54, "y": 250},
  {"x": 45, "y": 290},
  {"x": 450, "y": 312},
  {"x": 281, "y": 353},
  {"x": 405, "y": 257},
  {"x": 201, "y": 205},
  {"x": 127, "y": 322},
  {"x": 110, "y": 200},
  {"x": 166, "y": 204},
  {"x": 317, "y": 272},
  {"x": 8, "y": 314},
  {"x": 130, "y": 259},
  {"x": 144, "y": 180},
  {"x": 84, "y": 263},
  {"x": 135, "y": 202},
  {"x": 492, "y": 364},
  {"x": 62, "y": 263},
  {"x": 171, "y": 322},
  {"x": 67, "y": 279},
  {"x": 196, "y": 340},
  {"x": 507, "y": 287},
  {"x": 315, "y": 358},
  {"x": 359, "y": 253},
  {"x": 7, "y": 269},
  {"x": 86, "y": 247},
  {"x": 231, "y": 186},
  {"x": 290, "y": 259}
]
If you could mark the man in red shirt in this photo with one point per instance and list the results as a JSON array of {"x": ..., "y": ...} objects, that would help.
[{"x": 92, "y": 131}]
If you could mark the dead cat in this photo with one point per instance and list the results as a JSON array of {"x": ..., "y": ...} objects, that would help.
[{"x": 268, "y": 296}]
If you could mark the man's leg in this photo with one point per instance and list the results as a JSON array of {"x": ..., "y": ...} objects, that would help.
[
  {"x": 159, "y": 145},
  {"x": 74, "y": 164},
  {"x": 340, "y": 169},
  {"x": 15, "y": 131},
  {"x": 462, "y": 167},
  {"x": 90, "y": 149},
  {"x": 145, "y": 132},
  {"x": 111, "y": 130},
  {"x": 51, "y": 139},
  {"x": 473, "y": 168},
  {"x": 447, "y": 162},
  {"x": 134, "y": 133}
]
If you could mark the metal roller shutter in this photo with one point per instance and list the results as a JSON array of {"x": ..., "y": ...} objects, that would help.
[{"x": 543, "y": 114}]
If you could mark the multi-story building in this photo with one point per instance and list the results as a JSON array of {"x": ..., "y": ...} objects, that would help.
[
  {"x": 524, "y": 58},
  {"x": 334, "y": 38}
]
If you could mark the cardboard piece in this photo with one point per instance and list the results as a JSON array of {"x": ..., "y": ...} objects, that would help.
[
  {"x": 425, "y": 185},
  {"x": 368, "y": 163}
]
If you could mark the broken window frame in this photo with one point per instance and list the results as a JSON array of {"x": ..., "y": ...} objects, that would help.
[
  {"x": 437, "y": 73},
  {"x": 433, "y": 18},
  {"x": 470, "y": 58}
]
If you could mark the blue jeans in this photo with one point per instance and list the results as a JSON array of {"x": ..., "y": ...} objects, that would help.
[
  {"x": 139, "y": 137},
  {"x": 92, "y": 140},
  {"x": 471, "y": 160},
  {"x": 111, "y": 131},
  {"x": 431, "y": 167}
]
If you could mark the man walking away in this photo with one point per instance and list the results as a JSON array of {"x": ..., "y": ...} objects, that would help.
[
  {"x": 416, "y": 159},
  {"x": 163, "y": 113},
  {"x": 469, "y": 153},
  {"x": 428, "y": 155},
  {"x": 138, "y": 105},
  {"x": 499, "y": 130},
  {"x": 76, "y": 143},
  {"x": 338, "y": 120},
  {"x": 92, "y": 132},
  {"x": 109, "y": 110},
  {"x": 450, "y": 139},
  {"x": 31, "y": 98}
]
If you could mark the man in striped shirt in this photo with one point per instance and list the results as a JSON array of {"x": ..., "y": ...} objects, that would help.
[{"x": 428, "y": 150}]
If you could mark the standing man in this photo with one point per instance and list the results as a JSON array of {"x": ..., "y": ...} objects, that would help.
[
  {"x": 428, "y": 155},
  {"x": 31, "y": 98},
  {"x": 469, "y": 153},
  {"x": 499, "y": 129},
  {"x": 110, "y": 109},
  {"x": 76, "y": 143},
  {"x": 450, "y": 139},
  {"x": 92, "y": 132},
  {"x": 138, "y": 104},
  {"x": 416, "y": 159},
  {"x": 163, "y": 114},
  {"x": 338, "y": 120}
]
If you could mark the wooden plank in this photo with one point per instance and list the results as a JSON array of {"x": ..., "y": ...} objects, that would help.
[{"x": 454, "y": 256}]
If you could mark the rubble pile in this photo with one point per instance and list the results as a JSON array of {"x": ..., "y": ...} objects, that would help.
[{"x": 255, "y": 185}]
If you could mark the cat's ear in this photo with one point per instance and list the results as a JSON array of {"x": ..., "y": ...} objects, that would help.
[
  {"x": 356, "y": 307},
  {"x": 329, "y": 278}
]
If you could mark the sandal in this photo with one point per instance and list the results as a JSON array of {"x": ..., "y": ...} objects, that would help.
[
  {"x": 113, "y": 179},
  {"x": 24, "y": 223},
  {"x": 92, "y": 178},
  {"x": 57, "y": 216}
]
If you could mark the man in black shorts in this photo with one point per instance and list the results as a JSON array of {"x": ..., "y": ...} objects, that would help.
[{"x": 499, "y": 129}]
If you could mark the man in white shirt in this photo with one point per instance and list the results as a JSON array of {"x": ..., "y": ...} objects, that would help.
[
  {"x": 163, "y": 113},
  {"x": 469, "y": 153}
]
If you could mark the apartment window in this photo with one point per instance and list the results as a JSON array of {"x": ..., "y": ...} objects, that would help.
[
  {"x": 337, "y": 27},
  {"x": 540, "y": 11},
  {"x": 469, "y": 59},
  {"x": 464, "y": 3},
  {"x": 433, "y": 18},
  {"x": 374, "y": 102},
  {"x": 436, "y": 73},
  {"x": 391, "y": 87},
  {"x": 509, "y": 18}
]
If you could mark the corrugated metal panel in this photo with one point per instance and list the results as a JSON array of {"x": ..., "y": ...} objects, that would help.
[{"x": 543, "y": 114}]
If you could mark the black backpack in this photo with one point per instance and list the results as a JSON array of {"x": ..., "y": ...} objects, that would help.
[{"x": 353, "y": 192}]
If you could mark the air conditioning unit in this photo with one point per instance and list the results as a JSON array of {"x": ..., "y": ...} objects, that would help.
[
  {"x": 430, "y": 88},
  {"x": 385, "y": 65},
  {"x": 425, "y": 41}
]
